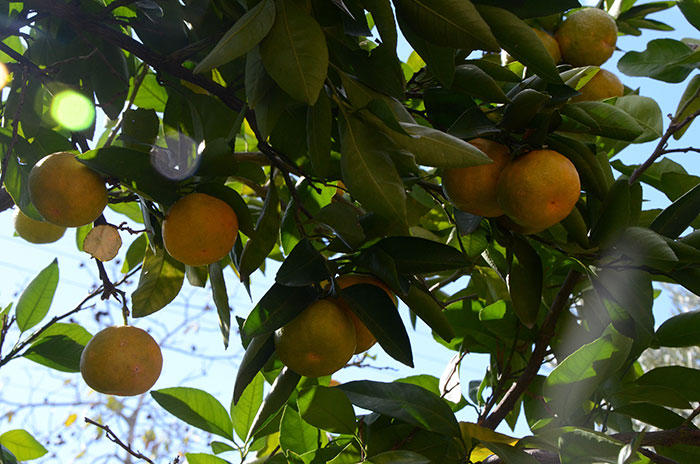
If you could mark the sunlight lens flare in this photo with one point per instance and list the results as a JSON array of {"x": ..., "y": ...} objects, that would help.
[
  {"x": 72, "y": 110},
  {"x": 4, "y": 75}
]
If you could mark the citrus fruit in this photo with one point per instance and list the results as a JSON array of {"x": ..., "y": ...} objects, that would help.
[
  {"x": 538, "y": 189},
  {"x": 199, "y": 229},
  {"x": 550, "y": 43},
  {"x": 65, "y": 191},
  {"x": 317, "y": 342},
  {"x": 363, "y": 337},
  {"x": 587, "y": 37},
  {"x": 601, "y": 86},
  {"x": 473, "y": 189},
  {"x": 123, "y": 360},
  {"x": 35, "y": 231}
]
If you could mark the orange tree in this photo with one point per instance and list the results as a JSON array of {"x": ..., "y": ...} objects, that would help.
[{"x": 268, "y": 105}]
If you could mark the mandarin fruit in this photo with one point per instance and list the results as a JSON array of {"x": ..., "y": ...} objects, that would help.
[
  {"x": 601, "y": 86},
  {"x": 35, "y": 231},
  {"x": 317, "y": 342},
  {"x": 473, "y": 189},
  {"x": 550, "y": 43},
  {"x": 539, "y": 189},
  {"x": 587, "y": 37},
  {"x": 65, "y": 191},
  {"x": 123, "y": 361},
  {"x": 199, "y": 229}
]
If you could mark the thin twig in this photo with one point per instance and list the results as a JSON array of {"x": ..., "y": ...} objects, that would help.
[{"x": 111, "y": 436}]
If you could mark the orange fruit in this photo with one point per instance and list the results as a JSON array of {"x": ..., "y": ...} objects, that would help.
[
  {"x": 473, "y": 189},
  {"x": 539, "y": 189},
  {"x": 587, "y": 37},
  {"x": 317, "y": 342},
  {"x": 199, "y": 229},
  {"x": 65, "y": 191},
  {"x": 364, "y": 339},
  {"x": 35, "y": 231},
  {"x": 550, "y": 43},
  {"x": 601, "y": 86},
  {"x": 123, "y": 360}
]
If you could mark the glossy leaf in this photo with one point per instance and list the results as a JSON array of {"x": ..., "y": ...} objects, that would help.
[
  {"x": 35, "y": 300},
  {"x": 203, "y": 458},
  {"x": 244, "y": 410},
  {"x": 449, "y": 23},
  {"x": 406, "y": 402},
  {"x": 368, "y": 171},
  {"x": 197, "y": 408},
  {"x": 296, "y": 435},
  {"x": 520, "y": 41},
  {"x": 509, "y": 454},
  {"x": 473, "y": 81},
  {"x": 666, "y": 60},
  {"x": 220, "y": 297},
  {"x": 440, "y": 60},
  {"x": 375, "y": 309},
  {"x": 684, "y": 380},
  {"x": 414, "y": 255},
  {"x": 259, "y": 350},
  {"x": 266, "y": 231},
  {"x": 680, "y": 330},
  {"x": 689, "y": 102},
  {"x": 319, "y": 123},
  {"x": 304, "y": 266},
  {"x": 398, "y": 457},
  {"x": 279, "y": 393},
  {"x": 159, "y": 283},
  {"x": 246, "y": 33},
  {"x": 646, "y": 247},
  {"x": 672, "y": 221},
  {"x": 59, "y": 347},
  {"x": 295, "y": 52},
  {"x": 605, "y": 120},
  {"x": 327, "y": 408},
  {"x": 278, "y": 306},
  {"x": 525, "y": 282},
  {"x": 425, "y": 306},
  {"x": 691, "y": 11},
  {"x": 22, "y": 445}
]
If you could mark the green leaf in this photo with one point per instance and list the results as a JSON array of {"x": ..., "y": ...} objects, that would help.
[
  {"x": 414, "y": 255},
  {"x": 327, "y": 408},
  {"x": 319, "y": 122},
  {"x": 587, "y": 444},
  {"x": 509, "y": 454},
  {"x": 375, "y": 309},
  {"x": 425, "y": 306},
  {"x": 680, "y": 330},
  {"x": 368, "y": 171},
  {"x": 285, "y": 383},
  {"x": 219, "y": 447},
  {"x": 295, "y": 434},
  {"x": 655, "y": 394},
  {"x": 689, "y": 102},
  {"x": 295, "y": 52},
  {"x": 344, "y": 221},
  {"x": 440, "y": 60},
  {"x": 257, "y": 353},
  {"x": 197, "y": 408},
  {"x": 246, "y": 33},
  {"x": 244, "y": 410},
  {"x": 604, "y": 119},
  {"x": 278, "y": 306},
  {"x": 448, "y": 23},
  {"x": 109, "y": 77},
  {"x": 648, "y": 248},
  {"x": 580, "y": 374},
  {"x": 666, "y": 60},
  {"x": 139, "y": 129},
  {"x": 220, "y": 297},
  {"x": 691, "y": 11},
  {"x": 682, "y": 379},
  {"x": 22, "y": 444},
  {"x": 59, "y": 347},
  {"x": 433, "y": 147},
  {"x": 409, "y": 403},
  {"x": 304, "y": 266},
  {"x": 672, "y": 221},
  {"x": 646, "y": 112},
  {"x": 520, "y": 41},
  {"x": 6, "y": 457},
  {"x": 203, "y": 458},
  {"x": 258, "y": 247},
  {"x": 398, "y": 457},
  {"x": 525, "y": 282},
  {"x": 533, "y": 8},
  {"x": 151, "y": 95},
  {"x": 134, "y": 170},
  {"x": 35, "y": 301},
  {"x": 135, "y": 253},
  {"x": 160, "y": 282},
  {"x": 473, "y": 81}
]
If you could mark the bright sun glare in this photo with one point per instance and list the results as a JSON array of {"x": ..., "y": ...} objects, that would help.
[{"x": 72, "y": 110}]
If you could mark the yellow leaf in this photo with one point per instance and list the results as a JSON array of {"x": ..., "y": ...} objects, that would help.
[
  {"x": 69, "y": 421},
  {"x": 471, "y": 431}
]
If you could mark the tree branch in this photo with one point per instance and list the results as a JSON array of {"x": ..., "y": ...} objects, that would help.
[
  {"x": 111, "y": 436},
  {"x": 533, "y": 366}
]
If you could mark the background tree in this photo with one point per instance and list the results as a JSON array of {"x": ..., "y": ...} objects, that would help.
[{"x": 331, "y": 153}]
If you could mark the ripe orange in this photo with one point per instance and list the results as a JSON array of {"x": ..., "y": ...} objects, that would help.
[
  {"x": 539, "y": 189},
  {"x": 364, "y": 339},
  {"x": 199, "y": 229},
  {"x": 587, "y": 37},
  {"x": 317, "y": 342},
  {"x": 35, "y": 231},
  {"x": 473, "y": 189},
  {"x": 65, "y": 191},
  {"x": 124, "y": 361},
  {"x": 601, "y": 86},
  {"x": 550, "y": 43}
]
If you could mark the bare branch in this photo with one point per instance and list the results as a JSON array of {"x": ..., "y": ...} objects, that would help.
[{"x": 111, "y": 436}]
